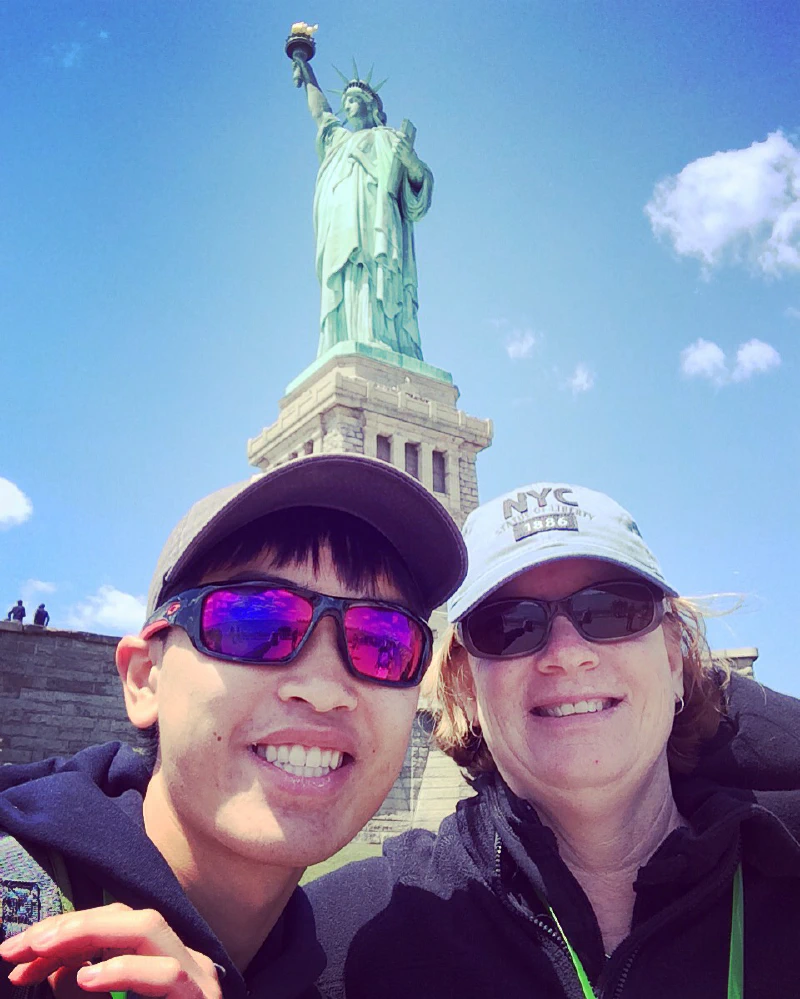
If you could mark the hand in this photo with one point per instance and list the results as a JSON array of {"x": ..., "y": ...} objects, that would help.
[
  {"x": 133, "y": 949},
  {"x": 406, "y": 152},
  {"x": 299, "y": 70},
  {"x": 410, "y": 160}
]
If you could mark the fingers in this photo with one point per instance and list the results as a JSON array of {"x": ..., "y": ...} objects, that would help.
[
  {"x": 33, "y": 972},
  {"x": 135, "y": 950},
  {"x": 148, "y": 976},
  {"x": 76, "y": 937}
]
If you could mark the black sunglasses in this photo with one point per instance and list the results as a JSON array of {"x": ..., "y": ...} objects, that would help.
[
  {"x": 267, "y": 623},
  {"x": 604, "y": 612}
]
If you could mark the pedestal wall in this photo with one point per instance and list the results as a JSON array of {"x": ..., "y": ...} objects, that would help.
[{"x": 362, "y": 405}]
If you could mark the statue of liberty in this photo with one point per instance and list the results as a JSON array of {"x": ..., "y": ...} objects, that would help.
[{"x": 371, "y": 188}]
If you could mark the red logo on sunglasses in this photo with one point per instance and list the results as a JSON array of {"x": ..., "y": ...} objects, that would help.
[{"x": 172, "y": 609}]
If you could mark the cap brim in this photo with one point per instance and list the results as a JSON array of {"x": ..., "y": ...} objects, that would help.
[
  {"x": 522, "y": 560},
  {"x": 412, "y": 520}
]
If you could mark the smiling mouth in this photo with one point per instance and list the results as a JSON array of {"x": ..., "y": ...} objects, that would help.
[
  {"x": 302, "y": 761},
  {"x": 587, "y": 707}
]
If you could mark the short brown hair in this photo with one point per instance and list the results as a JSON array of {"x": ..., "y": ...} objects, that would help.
[
  {"x": 448, "y": 687},
  {"x": 361, "y": 555}
]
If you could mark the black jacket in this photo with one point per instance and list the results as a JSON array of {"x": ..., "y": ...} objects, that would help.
[
  {"x": 459, "y": 915},
  {"x": 89, "y": 808}
]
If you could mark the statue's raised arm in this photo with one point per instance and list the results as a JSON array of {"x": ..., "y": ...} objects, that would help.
[
  {"x": 302, "y": 73},
  {"x": 371, "y": 187}
]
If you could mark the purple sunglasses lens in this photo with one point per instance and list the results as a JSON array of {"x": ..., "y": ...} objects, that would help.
[
  {"x": 384, "y": 644},
  {"x": 254, "y": 625}
]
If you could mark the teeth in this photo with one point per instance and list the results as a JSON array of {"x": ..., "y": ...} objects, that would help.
[
  {"x": 301, "y": 761},
  {"x": 573, "y": 708}
]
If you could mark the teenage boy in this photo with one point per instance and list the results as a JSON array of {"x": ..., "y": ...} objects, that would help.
[{"x": 284, "y": 642}]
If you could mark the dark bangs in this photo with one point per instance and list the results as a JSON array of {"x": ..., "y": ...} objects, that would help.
[{"x": 361, "y": 555}]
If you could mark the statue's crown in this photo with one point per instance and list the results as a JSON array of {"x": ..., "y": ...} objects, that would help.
[
  {"x": 365, "y": 86},
  {"x": 362, "y": 85}
]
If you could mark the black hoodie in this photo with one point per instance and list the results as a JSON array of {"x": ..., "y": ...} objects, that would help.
[
  {"x": 459, "y": 914},
  {"x": 89, "y": 808}
]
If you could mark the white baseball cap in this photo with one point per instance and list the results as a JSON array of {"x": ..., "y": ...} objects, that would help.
[{"x": 546, "y": 522}]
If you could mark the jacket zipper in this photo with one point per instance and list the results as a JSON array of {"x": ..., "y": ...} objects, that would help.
[
  {"x": 540, "y": 922},
  {"x": 623, "y": 975}
]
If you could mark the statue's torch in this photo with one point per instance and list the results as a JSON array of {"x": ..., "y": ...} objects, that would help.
[{"x": 300, "y": 46}]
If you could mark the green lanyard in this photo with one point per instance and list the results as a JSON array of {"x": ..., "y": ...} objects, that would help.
[
  {"x": 735, "y": 963},
  {"x": 116, "y": 994}
]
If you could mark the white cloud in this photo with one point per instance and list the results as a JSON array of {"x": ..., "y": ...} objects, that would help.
[
  {"x": 582, "y": 379},
  {"x": 754, "y": 357},
  {"x": 108, "y": 610},
  {"x": 15, "y": 507},
  {"x": 792, "y": 313},
  {"x": 741, "y": 204},
  {"x": 33, "y": 587},
  {"x": 520, "y": 344},
  {"x": 704, "y": 359}
]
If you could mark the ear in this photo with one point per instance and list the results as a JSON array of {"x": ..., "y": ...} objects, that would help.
[{"x": 138, "y": 664}]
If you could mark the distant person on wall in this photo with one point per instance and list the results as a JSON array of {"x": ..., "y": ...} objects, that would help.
[
  {"x": 280, "y": 730},
  {"x": 17, "y": 612},
  {"x": 371, "y": 188},
  {"x": 41, "y": 617}
]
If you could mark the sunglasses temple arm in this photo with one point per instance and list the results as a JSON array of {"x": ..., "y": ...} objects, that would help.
[{"x": 153, "y": 628}]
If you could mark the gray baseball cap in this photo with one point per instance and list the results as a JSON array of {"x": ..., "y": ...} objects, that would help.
[
  {"x": 545, "y": 522},
  {"x": 412, "y": 520}
]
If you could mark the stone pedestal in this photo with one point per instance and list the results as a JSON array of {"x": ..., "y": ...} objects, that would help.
[{"x": 359, "y": 403}]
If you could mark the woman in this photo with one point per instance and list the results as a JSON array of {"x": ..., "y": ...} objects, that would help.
[{"x": 598, "y": 856}]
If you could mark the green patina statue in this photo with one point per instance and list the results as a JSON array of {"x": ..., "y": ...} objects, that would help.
[{"x": 371, "y": 188}]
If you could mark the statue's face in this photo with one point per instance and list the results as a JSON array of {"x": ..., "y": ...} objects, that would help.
[{"x": 357, "y": 110}]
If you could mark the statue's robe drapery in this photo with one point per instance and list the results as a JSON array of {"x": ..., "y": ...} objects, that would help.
[{"x": 364, "y": 210}]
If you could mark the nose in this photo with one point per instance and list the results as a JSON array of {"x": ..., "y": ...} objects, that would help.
[
  {"x": 566, "y": 650},
  {"x": 318, "y": 676}
]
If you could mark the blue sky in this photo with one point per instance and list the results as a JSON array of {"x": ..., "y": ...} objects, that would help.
[{"x": 610, "y": 269}]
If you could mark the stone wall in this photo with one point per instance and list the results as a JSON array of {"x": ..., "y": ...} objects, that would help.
[
  {"x": 397, "y": 812},
  {"x": 59, "y": 692}
]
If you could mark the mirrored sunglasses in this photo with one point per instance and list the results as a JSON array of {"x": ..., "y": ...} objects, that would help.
[{"x": 267, "y": 623}]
